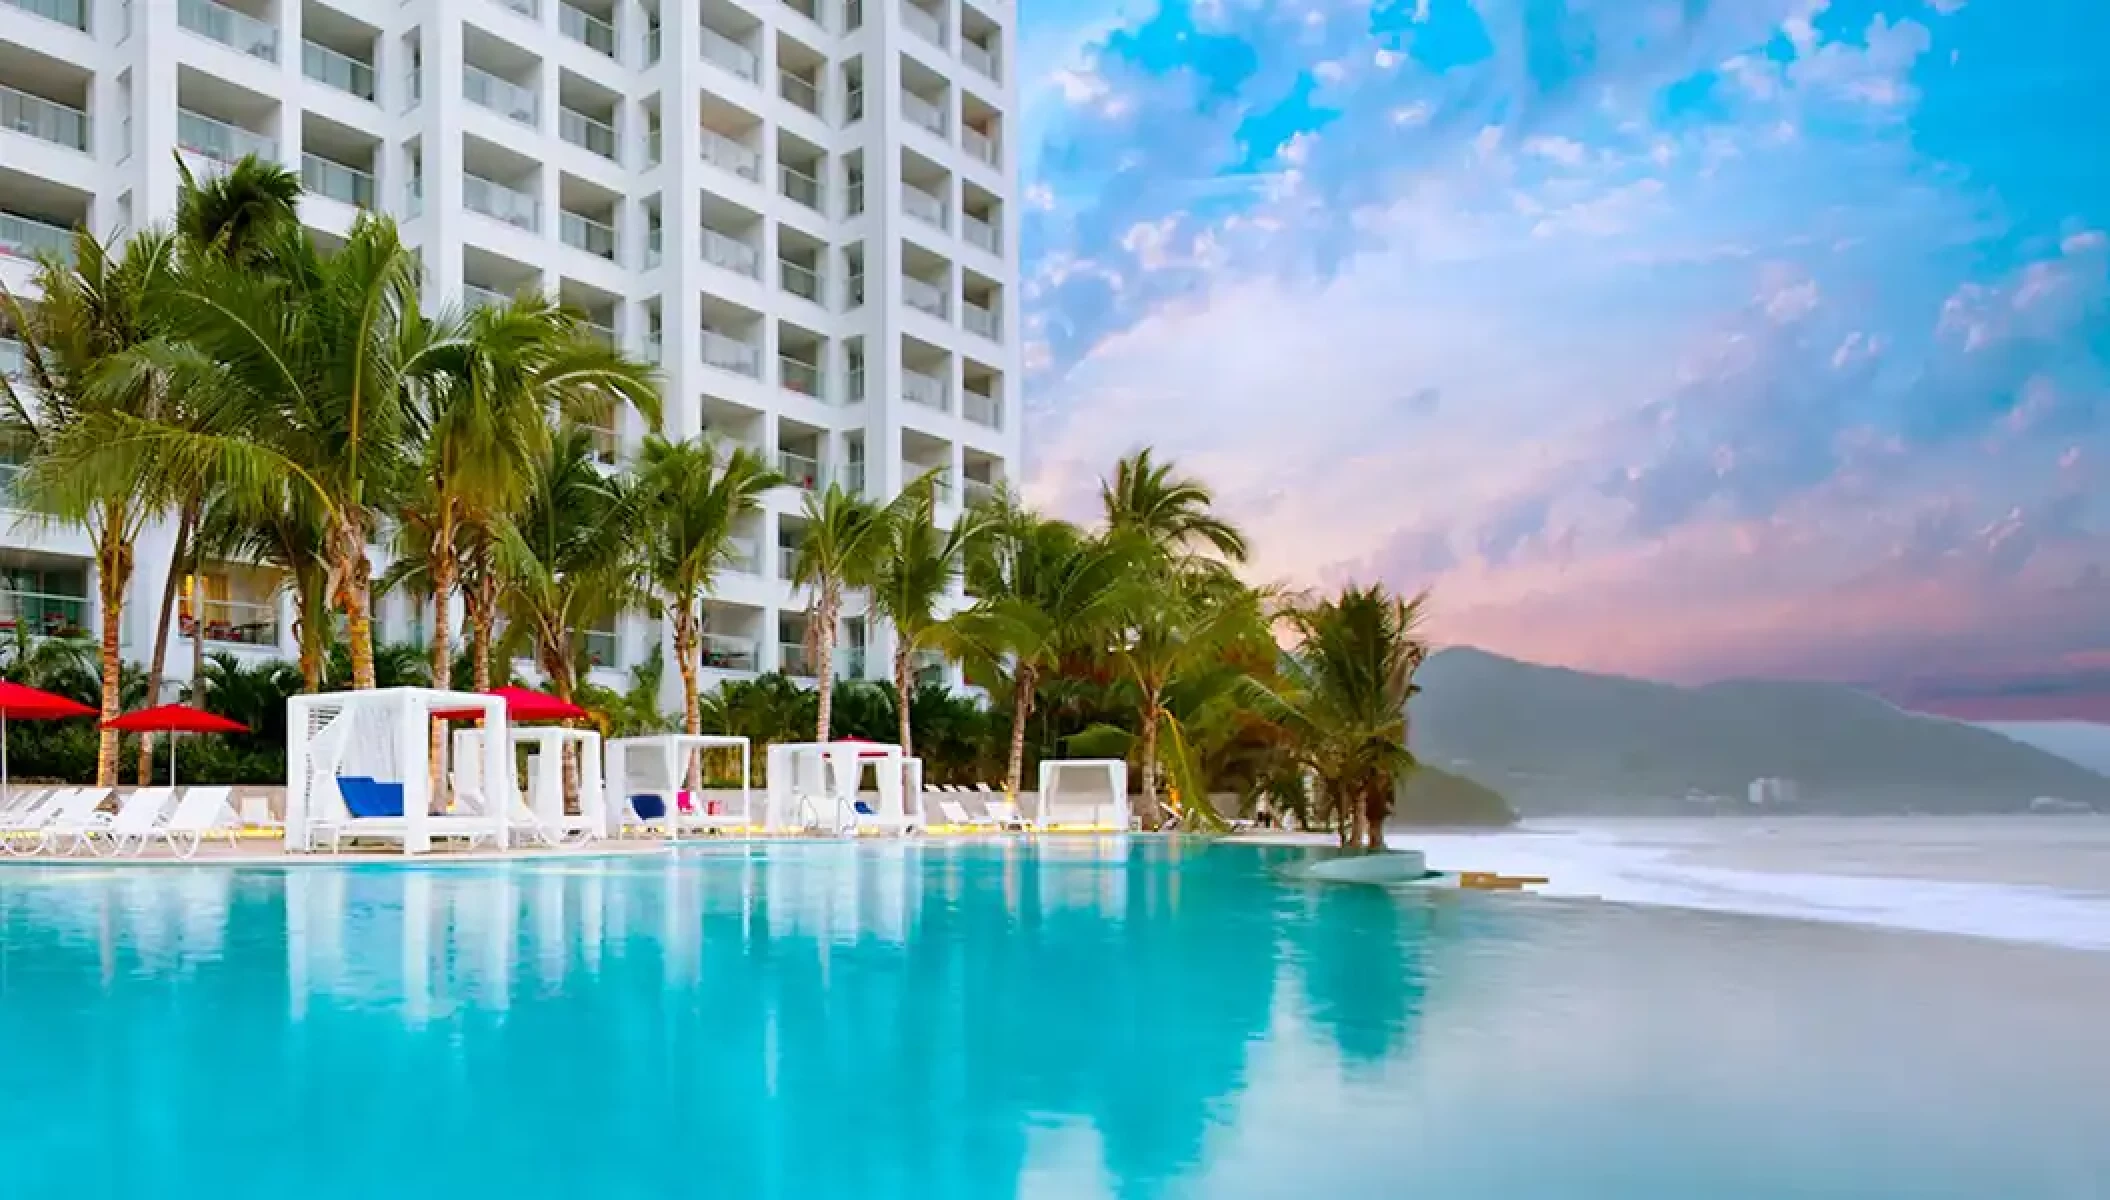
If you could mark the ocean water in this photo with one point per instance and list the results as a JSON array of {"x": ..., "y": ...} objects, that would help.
[{"x": 1078, "y": 1018}]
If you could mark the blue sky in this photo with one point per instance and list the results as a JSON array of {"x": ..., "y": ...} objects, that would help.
[{"x": 1691, "y": 338}]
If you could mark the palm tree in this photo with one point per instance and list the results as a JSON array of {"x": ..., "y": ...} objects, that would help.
[
  {"x": 1345, "y": 700},
  {"x": 505, "y": 373},
  {"x": 1043, "y": 589},
  {"x": 918, "y": 565},
  {"x": 568, "y": 557},
  {"x": 694, "y": 500},
  {"x": 93, "y": 309},
  {"x": 844, "y": 538},
  {"x": 1170, "y": 512},
  {"x": 280, "y": 527},
  {"x": 1191, "y": 619},
  {"x": 319, "y": 359},
  {"x": 224, "y": 218}
]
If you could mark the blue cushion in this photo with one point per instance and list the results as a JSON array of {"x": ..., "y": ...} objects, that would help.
[
  {"x": 364, "y": 797},
  {"x": 864, "y": 809},
  {"x": 649, "y": 807}
]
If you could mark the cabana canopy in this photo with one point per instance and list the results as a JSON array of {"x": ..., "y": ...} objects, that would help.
[
  {"x": 655, "y": 769},
  {"x": 545, "y": 776},
  {"x": 818, "y": 785},
  {"x": 1088, "y": 793},
  {"x": 359, "y": 764}
]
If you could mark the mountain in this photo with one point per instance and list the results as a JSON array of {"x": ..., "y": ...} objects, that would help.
[
  {"x": 1432, "y": 796},
  {"x": 1559, "y": 741},
  {"x": 2084, "y": 742}
]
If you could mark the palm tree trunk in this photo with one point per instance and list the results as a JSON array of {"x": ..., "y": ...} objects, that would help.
[
  {"x": 824, "y": 656},
  {"x": 197, "y": 637},
  {"x": 1021, "y": 711},
  {"x": 439, "y": 567},
  {"x": 691, "y": 705},
  {"x": 1375, "y": 804},
  {"x": 355, "y": 592},
  {"x": 1152, "y": 815},
  {"x": 309, "y": 624},
  {"x": 904, "y": 687},
  {"x": 113, "y": 569},
  {"x": 158, "y": 665},
  {"x": 483, "y": 614}
]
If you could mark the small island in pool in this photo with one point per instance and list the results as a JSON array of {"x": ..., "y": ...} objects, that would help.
[{"x": 1432, "y": 796}]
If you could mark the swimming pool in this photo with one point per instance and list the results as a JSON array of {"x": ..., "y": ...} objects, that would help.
[{"x": 1080, "y": 1018}]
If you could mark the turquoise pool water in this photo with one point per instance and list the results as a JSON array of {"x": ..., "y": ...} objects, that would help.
[{"x": 1082, "y": 1019}]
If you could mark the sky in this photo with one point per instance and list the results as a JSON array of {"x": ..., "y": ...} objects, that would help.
[{"x": 1689, "y": 339}]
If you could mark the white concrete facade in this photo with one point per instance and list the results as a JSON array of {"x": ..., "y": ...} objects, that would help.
[{"x": 803, "y": 210}]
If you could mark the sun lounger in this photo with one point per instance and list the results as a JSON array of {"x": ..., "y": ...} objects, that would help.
[
  {"x": 1004, "y": 814},
  {"x": 137, "y": 815},
  {"x": 202, "y": 812},
  {"x": 73, "y": 822},
  {"x": 21, "y": 801},
  {"x": 22, "y": 830}
]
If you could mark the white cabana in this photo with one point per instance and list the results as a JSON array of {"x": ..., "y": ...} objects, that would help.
[
  {"x": 544, "y": 797},
  {"x": 1083, "y": 793},
  {"x": 657, "y": 766},
  {"x": 818, "y": 786},
  {"x": 377, "y": 745}
]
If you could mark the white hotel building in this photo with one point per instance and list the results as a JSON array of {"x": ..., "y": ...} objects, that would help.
[{"x": 803, "y": 210}]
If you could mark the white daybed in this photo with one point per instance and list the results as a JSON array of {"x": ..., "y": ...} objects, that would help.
[
  {"x": 384, "y": 736},
  {"x": 658, "y": 766}
]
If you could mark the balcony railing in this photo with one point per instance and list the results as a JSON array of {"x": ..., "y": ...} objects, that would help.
[
  {"x": 980, "y": 233},
  {"x": 731, "y": 354},
  {"x": 494, "y": 199},
  {"x": 799, "y": 279},
  {"x": 27, "y": 237},
  {"x": 652, "y": 154},
  {"x": 854, "y": 196},
  {"x": 65, "y": 12},
  {"x": 332, "y": 69},
  {"x": 652, "y": 347},
  {"x": 854, "y": 478},
  {"x": 809, "y": 9},
  {"x": 221, "y": 141},
  {"x": 740, "y": 556},
  {"x": 982, "y": 409},
  {"x": 43, "y": 614},
  {"x": 502, "y": 96},
  {"x": 854, "y": 290},
  {"x": 10, "y": 476},
  {"x": 12, "y": 363},
  {"x": 45, "y": 120},
  {"x": 233, "y": 622},
  {"x": 799, "y": 90},
  {"x": 526, "y": 8},
  {"x": 940, "y": 479},
  {"x": 791, "y": 659},
  {"x": 603, "y": 648},
  {"x": 587, "y": 133},
  {"x": 924, "y": 297},
  {"x": 850, "y": 662},
  {"x": 414, "y": 196},
  {"x": 922, "y": 112},
  {"x": 734, "y": 57},
  {"x": 474, "y": 297},
  {"x": 337, "y": 181},
  {"x": 604, "y": 334},
  {"x": 787, "y": 562},
  {"x": 979, "y": 145},
  {"x": 855, "y": 394},
  {"x": 724, "y": 652},
  {"x": 726, "y": 154},
  {"x": 652, "y": 43},
  {"x": 853, "y": 105},
  {"x": 582, "y": 26},
  {"x": 928, "y": 667},
  {"x": 926, "y": 390},
  {"x": 922, "y": 205},
  {"x": 724, "y": 250},
  {"x": 585, "y": 233},
  {"x": 980, "y": 57},
  {"x": 229, "y": 27},
  {"x": 800, "y": 186},
  {"x": 922, "y": 23},
  {"x": 799, "y": 470},
  {"x": 977, "y": 491},
  {"x": 980, "y": 320},
  {"x": 853, "y": 15},
  {"x": 798, "y": 375}
]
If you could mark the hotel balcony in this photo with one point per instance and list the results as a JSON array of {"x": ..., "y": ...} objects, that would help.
[
  {"x": 595, "y": 31},
  {"x": 46, "y": 120},
  {"x": 325, "y": 177},
  {"x": 231, "y": 27},
  {"x": 729, "y": 155},
  {"x": 23, "y": 236},
  {"x": 502, "y": 96},
  {"x": 337, "y": 70},
  {"x": 72, "y": 13},
  {"x": 500, "y": 202},
  {"x": 221, "y": 141}
]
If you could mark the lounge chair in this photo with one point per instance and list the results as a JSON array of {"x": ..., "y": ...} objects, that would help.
[
  {"x": 202, "y": 812},
  {"x": 23, "y": 826},
  {"x": 20, "y": 801},
  {"x": 1004, "y": 814},
  {"x": 137, "y": 816},
  {"x": 73, "y": 822},
  {"x": 256, "y": 814}
]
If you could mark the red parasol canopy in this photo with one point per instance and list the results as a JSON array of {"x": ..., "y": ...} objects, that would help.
[
  {"x": 174, "y": 718},
  {"x": 522, "y": 704},
  {"x": 21, "y": 703}
]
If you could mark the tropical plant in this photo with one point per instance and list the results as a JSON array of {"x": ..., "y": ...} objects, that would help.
[
  {"x": 634, "y": 711},
  {"x": 1044, "y": 589},
  {"x": 694, "y": 498},
  {"x": 1171, "y": 512},
  {"x": 568, "y": 558},
  {"x": 1344, "y": 700},
  {"x": 93, "y": 309},
  {"x": 844, "y": 538},
  {"x": 317, "y": 362},
  {"x": 917, "y": 568}
]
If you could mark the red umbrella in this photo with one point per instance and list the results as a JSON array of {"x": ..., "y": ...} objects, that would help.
[
  {"x": 28, "y": 704},
  {"x": 522, "y": 704},
  {"x": 174, "y": 718}
]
